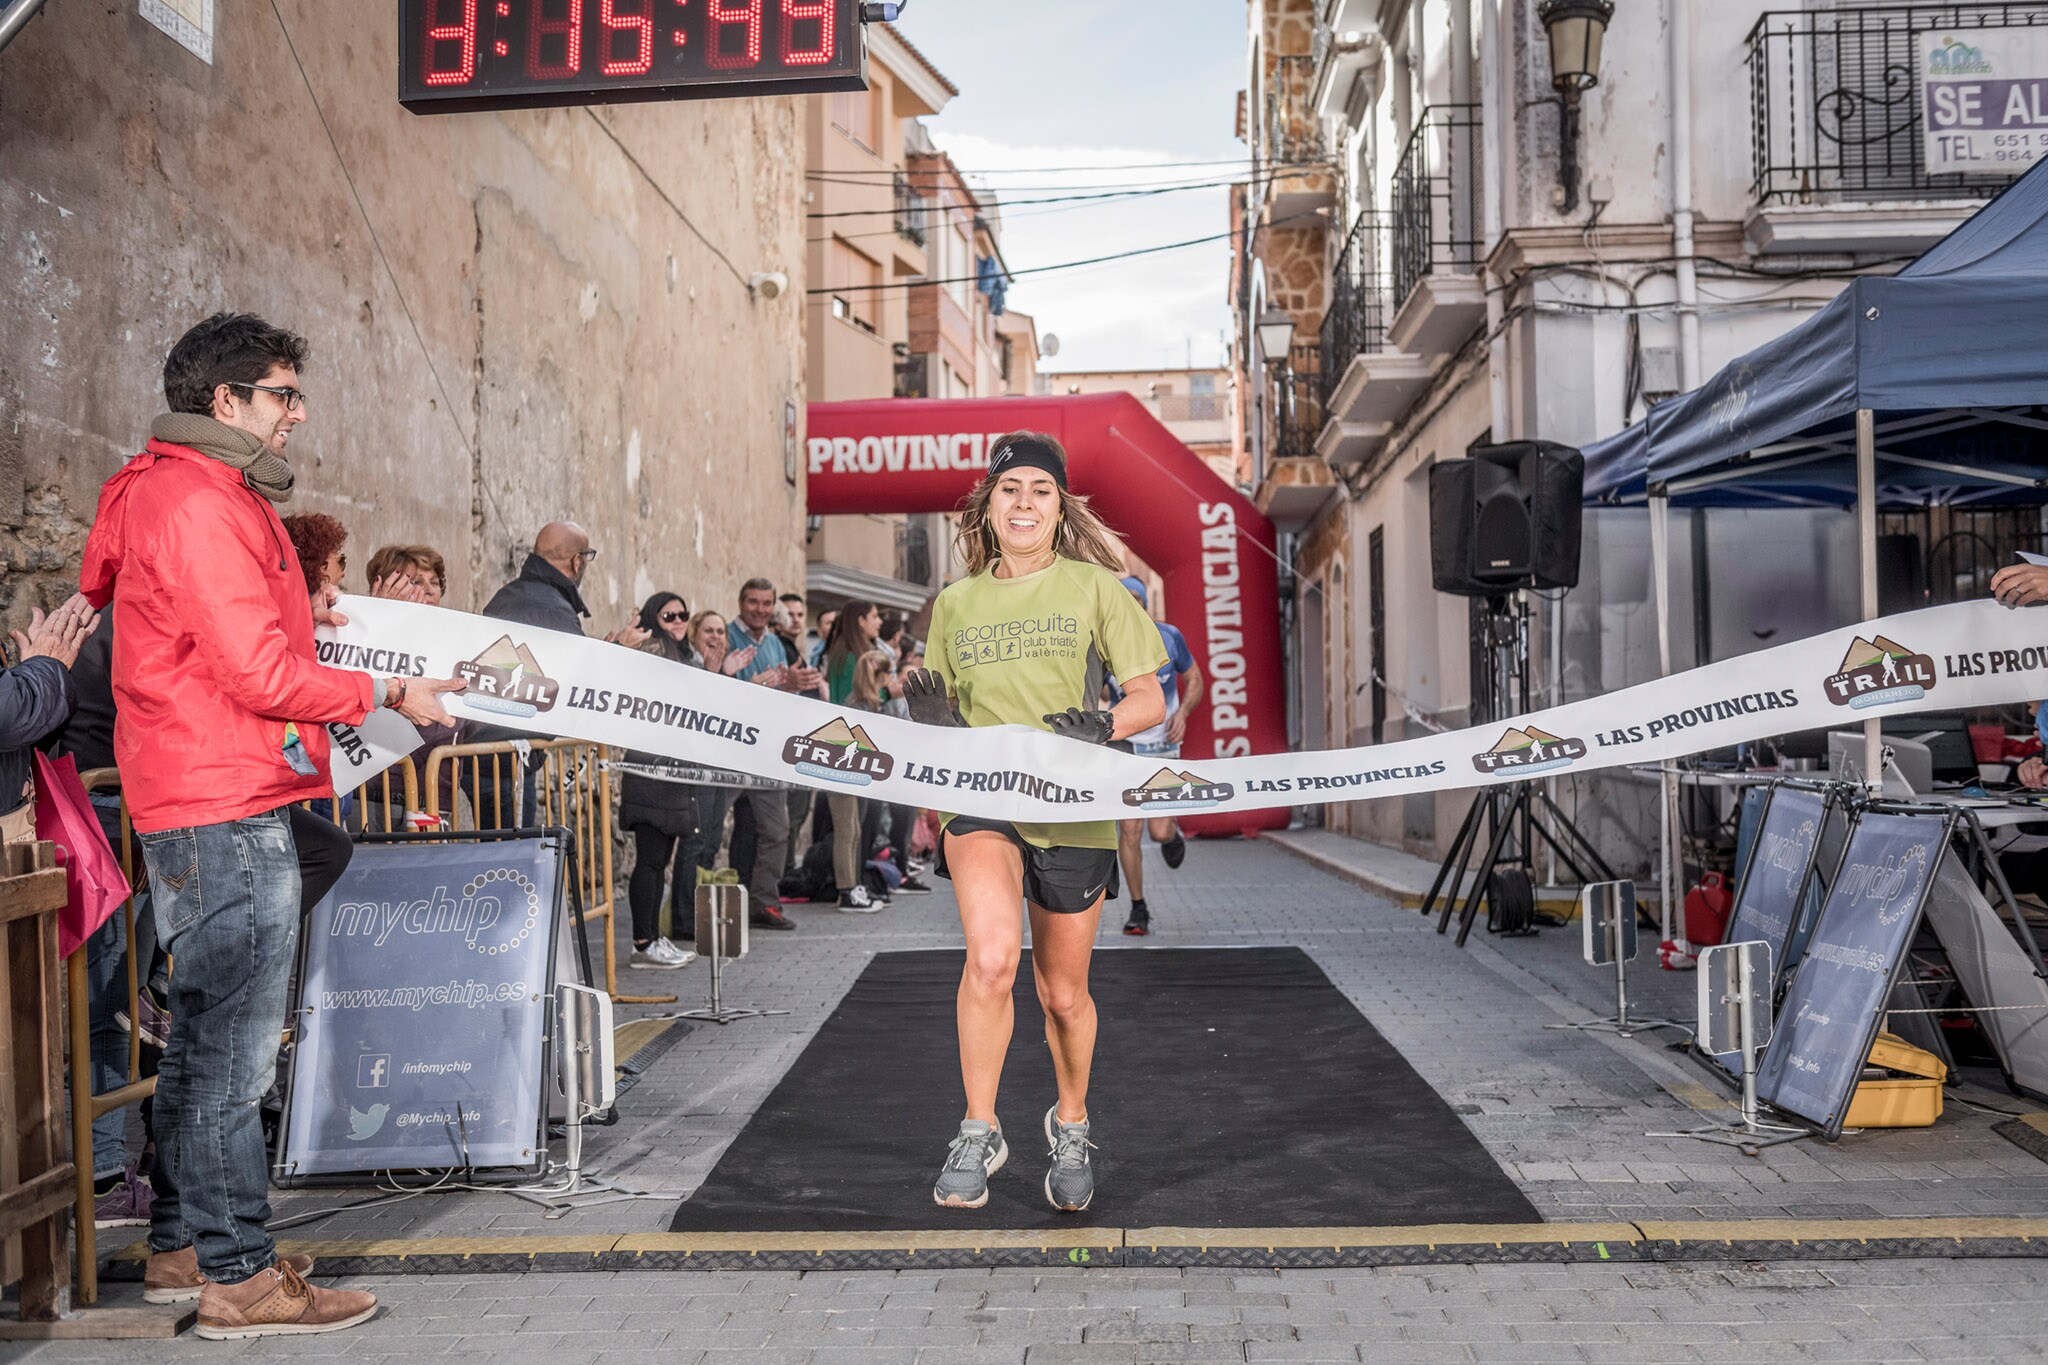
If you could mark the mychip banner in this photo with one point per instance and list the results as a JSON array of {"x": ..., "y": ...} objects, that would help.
[
  {"x": 423, "y": 1031},
  {"x": 1947, "y": 658},
  {"x": 1832, "y": 1007}
]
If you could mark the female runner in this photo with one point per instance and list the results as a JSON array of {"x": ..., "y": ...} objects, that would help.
[{"x": 1022, "y": 641}]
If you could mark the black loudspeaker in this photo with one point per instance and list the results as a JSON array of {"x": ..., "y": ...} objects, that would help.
[
  {"x": 1901, "y": 575},
  {"x": 1507, "y": 517}
]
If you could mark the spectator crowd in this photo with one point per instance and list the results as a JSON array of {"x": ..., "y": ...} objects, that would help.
[{"x": 186, "y": 664}]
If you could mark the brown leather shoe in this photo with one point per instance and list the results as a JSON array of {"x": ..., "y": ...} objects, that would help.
[
  {"x": 276, "y": 1302},
  {"x": 173, "y": 1276}
]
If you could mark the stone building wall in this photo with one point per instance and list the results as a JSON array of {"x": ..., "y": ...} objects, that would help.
[{"x": 511, "y": 318}]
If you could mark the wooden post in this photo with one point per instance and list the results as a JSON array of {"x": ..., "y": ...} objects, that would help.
[
  {"x": 35, "y": 1180},
  {"x": 37, "y": 1186}
]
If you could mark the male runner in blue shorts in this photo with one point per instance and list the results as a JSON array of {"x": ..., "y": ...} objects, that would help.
[{"x": 1181, "y": 679}]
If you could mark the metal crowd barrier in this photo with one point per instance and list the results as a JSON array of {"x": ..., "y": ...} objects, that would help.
[
  {"x": 572, "y": 789},
  {"x": 352, "y": 812}
]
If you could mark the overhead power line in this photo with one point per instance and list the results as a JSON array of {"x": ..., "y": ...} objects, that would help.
[
  {"x": 929, "y": 180},
  {"x": 1063, "y": 170},
  {"x": 1063, "y": 265},
  {"x": 1051, "y": 199}
]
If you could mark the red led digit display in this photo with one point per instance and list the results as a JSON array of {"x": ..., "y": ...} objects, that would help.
[{"x": 457, "y": 55}]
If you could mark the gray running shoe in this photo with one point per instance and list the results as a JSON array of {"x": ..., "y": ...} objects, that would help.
[
  {"x": 978, "y": 1153},
  {"x": 1070, "y": 1184}
]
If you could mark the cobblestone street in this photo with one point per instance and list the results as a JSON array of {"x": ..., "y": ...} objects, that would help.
[{"x": 1564, "y": 1112}]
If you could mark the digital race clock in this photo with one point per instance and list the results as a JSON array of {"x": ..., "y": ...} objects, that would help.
[{"x": 524, "y": 54}]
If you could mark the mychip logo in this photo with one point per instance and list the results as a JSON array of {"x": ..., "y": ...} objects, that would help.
[
  {"x": 1170, "y": 790},
  {"x": 838, "y": 752},
  {"x": 506, "y": 680},
  {"x": 1529, "y": 750},
  {"x": 1878, "y": 671}
]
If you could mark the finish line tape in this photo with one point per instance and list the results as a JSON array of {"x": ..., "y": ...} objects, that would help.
[{"x": 1964, "y": 655}]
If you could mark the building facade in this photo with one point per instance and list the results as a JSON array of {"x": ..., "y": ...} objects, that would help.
[
  {"x": 871, "y": 229},
  {"x": 1198, "y": 405},
  {"x": 1459, "y": 269},
  {"x": 514, "y": 317},
  {"x": 912, "y": 255}
]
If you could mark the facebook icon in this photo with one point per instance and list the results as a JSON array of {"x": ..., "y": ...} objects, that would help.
[{"x": 373, "y": 1070}]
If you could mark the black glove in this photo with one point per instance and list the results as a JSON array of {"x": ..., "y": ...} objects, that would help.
[
  {"x": 924, "y": 692},
  {"x": 1090, "y": 727}
]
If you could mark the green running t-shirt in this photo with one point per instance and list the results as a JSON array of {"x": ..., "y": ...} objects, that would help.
[{"x": 1014, "y": 650}]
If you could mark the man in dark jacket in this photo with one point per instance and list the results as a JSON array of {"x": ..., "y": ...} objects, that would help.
[
  {"x": 546, "y": 594},
  {"x": 36, "y": 696}
]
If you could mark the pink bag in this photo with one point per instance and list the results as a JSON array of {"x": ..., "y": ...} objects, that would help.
[{"x": 65, "y": 817}]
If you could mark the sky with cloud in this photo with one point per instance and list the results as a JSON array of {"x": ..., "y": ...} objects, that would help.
[{"x": 1067, "y": 97}]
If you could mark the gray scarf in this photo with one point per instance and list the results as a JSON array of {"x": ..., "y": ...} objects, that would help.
[{"x": 232, "y": 446}]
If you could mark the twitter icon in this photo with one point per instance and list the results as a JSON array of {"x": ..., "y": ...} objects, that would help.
[{"x": 362, "y": 1126}]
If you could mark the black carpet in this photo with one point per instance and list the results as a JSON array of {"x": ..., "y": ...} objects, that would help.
[{"x": 1232, "y": 1088}]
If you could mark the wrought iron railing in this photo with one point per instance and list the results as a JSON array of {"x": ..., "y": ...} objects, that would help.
[
  {"x": 1191, "y": 407},
  {"x": 912, "y": 210},
  {"x": 1835, "y": 101},
  {"x": 1293, "y": 135},
  {"x": 1356, "y": 320},
  {"x": 1298, "y": 419},
  {"x": 1436, "y": 223},
  {"x": 914, "y": 552}
]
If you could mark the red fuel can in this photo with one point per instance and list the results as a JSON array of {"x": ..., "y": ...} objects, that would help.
[{"x": 1706, "y": 910}]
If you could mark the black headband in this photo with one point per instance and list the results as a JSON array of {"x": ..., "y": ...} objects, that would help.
[{"x": 1029, "y": 454}]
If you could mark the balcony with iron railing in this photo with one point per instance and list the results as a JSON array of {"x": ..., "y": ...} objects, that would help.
[
  {"x": 1293, "y": 482},
  {"x": 1296, "y": 173},
  {"x": 1191, "y": 407},
  {"x": 1433, "y": 233},
  {"x": 913, "y": 210},
  {"x": 914, "y": 552},
  {"x": 1365, "y": 383},
  {"x": 1355, "y": 323},
  {"x": 1838, "y": 127}
]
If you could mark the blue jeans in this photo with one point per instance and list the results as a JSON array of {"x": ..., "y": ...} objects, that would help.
[{"x": 227, "y": 909}]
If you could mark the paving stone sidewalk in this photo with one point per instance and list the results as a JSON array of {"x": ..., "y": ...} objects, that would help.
[
  {"x": 1872, "y": 1311},
  {"x": 1564, "y": 1112}
]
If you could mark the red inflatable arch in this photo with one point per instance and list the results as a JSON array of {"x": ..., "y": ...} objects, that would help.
[{"x": 1213, "y": 548}]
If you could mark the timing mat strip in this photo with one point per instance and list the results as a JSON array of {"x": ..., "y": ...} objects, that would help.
[{"x": 1775, "y": 1239}]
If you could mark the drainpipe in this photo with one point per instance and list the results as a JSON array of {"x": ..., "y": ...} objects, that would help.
[
  {"x": 1492, "y": 183},
  {"x": 1680, "y": 34},
  {"x": 16, "y": 19}
]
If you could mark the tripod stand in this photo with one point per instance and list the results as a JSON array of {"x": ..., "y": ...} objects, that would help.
[{"x": 1514, "y": 816}]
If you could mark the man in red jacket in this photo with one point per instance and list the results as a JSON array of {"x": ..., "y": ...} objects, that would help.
[{"x": 219, "y": 728}]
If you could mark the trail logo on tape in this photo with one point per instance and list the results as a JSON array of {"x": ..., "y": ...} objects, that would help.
[
  {"x": 507, "y": 680},
  {"x": 1878, "y": 671},
  {"x": 1529, "y": 751},
  {"x": 1170, "y": 790},
  {"x": 838, "y": 752}
]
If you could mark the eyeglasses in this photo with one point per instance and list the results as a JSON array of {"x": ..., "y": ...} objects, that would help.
[
  {"x": 586, "y": 554},
  {"x": 294, "y": 399},
  {"x": 341, "y": 562},
  {"x": 670, "y": 616}
]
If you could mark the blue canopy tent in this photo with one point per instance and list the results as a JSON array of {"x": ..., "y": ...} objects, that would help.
[
  {"x": 1923, "y": 388},
  {"x": 1950, "y": 356}
]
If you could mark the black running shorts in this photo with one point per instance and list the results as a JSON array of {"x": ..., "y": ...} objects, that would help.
[{"x": 1066, "y": 881}]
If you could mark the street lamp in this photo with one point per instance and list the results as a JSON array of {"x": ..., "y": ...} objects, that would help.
[
  {"x": 1276, "y": 333},
  {"x": 1575, "y": 29}
]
